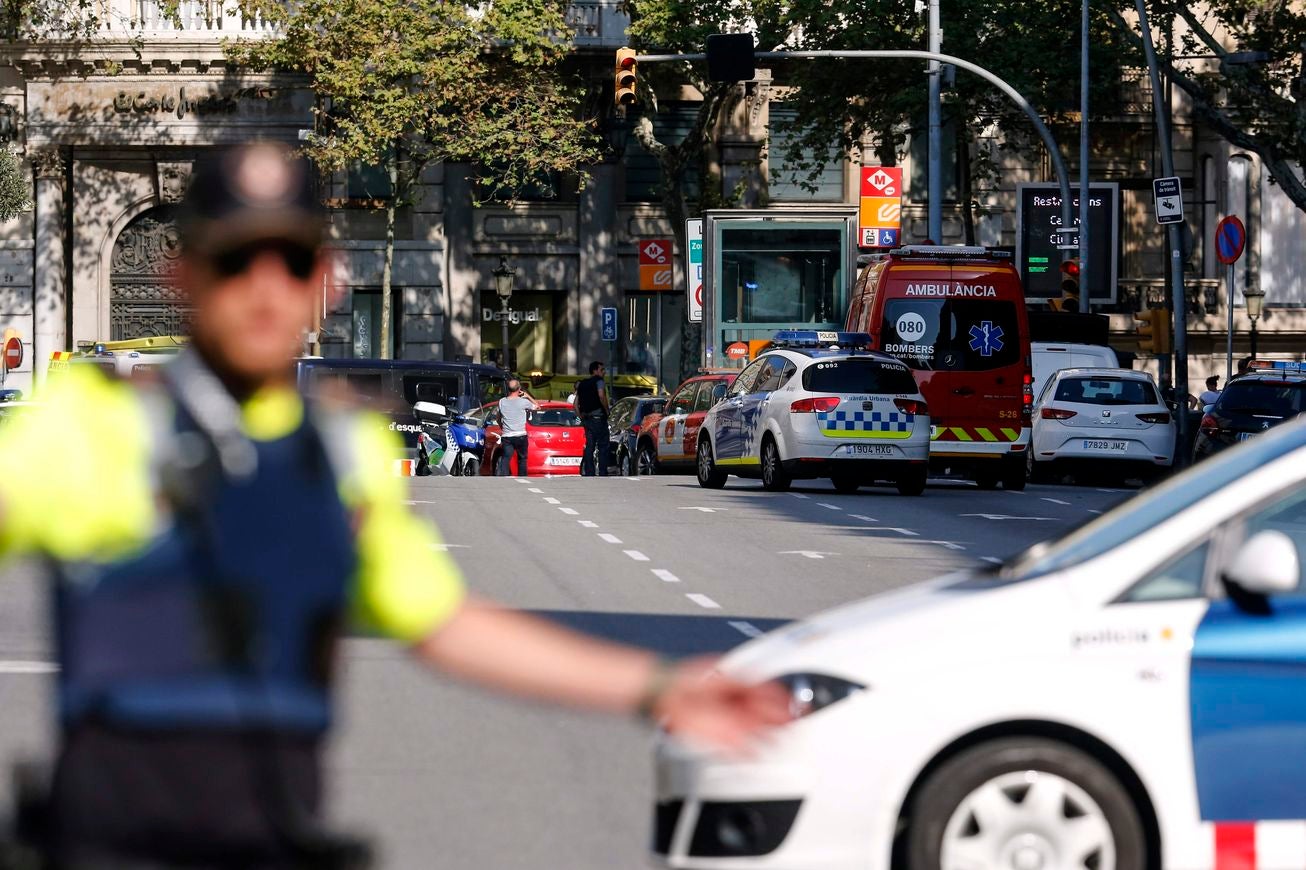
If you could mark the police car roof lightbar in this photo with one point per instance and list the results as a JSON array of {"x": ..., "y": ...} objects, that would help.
[
  {"x": 950, "y": 251},
  {"x": 820, "y": 338}
]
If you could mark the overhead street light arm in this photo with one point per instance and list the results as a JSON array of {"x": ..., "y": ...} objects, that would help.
[{"x": 1058, "y": 164}]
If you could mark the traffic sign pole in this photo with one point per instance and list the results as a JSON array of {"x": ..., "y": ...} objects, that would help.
[
  {"x": 1228, "y": 348},
  {"x": 1230, "y": 239}
]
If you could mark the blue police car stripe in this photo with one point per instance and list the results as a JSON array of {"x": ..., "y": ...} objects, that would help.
[{"x": 1248, "y": 708}]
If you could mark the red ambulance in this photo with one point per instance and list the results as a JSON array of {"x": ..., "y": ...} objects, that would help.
[{"x": 956, "y": 316}]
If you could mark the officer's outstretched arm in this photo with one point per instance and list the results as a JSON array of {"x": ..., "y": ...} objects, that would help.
[{"x": 530, "y": 657}]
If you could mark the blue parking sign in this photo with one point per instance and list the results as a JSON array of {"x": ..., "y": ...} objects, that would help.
[
  {"x": 888, "y": 238},
  {"x": 608, "y": 317}
]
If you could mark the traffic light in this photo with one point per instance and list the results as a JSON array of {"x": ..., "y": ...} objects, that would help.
[
  {"x": 1153, "y": 326},
  {"x": 624, "y": 80},
  {"x": 1070, "y": 278}
]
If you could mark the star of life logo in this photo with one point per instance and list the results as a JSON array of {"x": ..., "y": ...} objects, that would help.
[{"x": 986, "y": 338}]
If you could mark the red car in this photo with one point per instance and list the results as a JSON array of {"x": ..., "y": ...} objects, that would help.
[
  {"x": 669, "y": 440},
  {"x": 555, "y": 440}
]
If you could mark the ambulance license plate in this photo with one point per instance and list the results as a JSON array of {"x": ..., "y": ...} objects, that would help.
[
  {"x": 1107, "y": 446},
  {"x": 867, "y": 450}
]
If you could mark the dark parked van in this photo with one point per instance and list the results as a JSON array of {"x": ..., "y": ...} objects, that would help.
[{"x": 392, "y": 387}]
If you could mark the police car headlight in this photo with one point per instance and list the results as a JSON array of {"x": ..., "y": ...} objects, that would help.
[{"x": 812, "y": 693}]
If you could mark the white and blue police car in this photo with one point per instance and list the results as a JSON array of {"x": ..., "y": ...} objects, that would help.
[
  {"x": 1131, "y": 695},
  {"x": 816, "y": 404}
]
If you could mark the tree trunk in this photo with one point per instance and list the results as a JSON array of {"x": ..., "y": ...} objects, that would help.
[
  {"x": 387, "y": 271},
  {"x": 965, "y": 181}
]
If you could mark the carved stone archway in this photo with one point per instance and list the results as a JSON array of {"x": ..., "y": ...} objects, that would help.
[{"x": 143, "y": 300}]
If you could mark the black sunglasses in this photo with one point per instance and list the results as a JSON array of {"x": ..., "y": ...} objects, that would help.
[{"x": 299, "y": 259}]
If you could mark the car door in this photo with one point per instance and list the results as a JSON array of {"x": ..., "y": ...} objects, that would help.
[
  {"x": 746, "y": 406},
  {"x": 726, "y": 435},
  {"x": 708, "y": 394},
  {"x": 1248, "y": 688},
  {"x": 671, "y": 428},
  {"x": 493, "y": 433}
]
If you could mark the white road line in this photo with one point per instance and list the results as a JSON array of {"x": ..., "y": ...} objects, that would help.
[
  {"x": 521, "y": 480},
  {"x": 702, "y": 600},
  {"x": 636, "y": 479},
  {"x": 747, "y": 629},
  {"x": 864, "y": 518},
  {"x": 908, "y": 532},
  {"x": 665, "y": 576},
  {"x": 951, "y": 545},
  {"x": 992, "y": 559},
  {"x": 636, "y": 555},
  {"x": 589, "y": 524},
  {"x": 703, "y": 510},
  {"x": 447, "y": 547},
  {"x": 22, "y": 667},
  {"x": 797, "y": 495},
  {"x": 421, "y": 502},
  {"x": 535, "y": 489},
  {"x": 1109, "y": 490},
  {"x": 807, "y": 554},
  {"x": 1094, "y": 512},
  {"x": 571, "y": 512},
  {"x": 1054, "y": 500},
  {"x": 1007, "y": 517},
  {"x": 833, "y": 507},
  {"x": 552, "y": 501},
  {"x": 611, "y": 539}
]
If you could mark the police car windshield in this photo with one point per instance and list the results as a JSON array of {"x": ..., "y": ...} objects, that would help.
[
  {"x": 1262, "y": 398},
  {"x": 952, "y": 334},
  {"x": 1149, "y": 509},
  {"x": 856, "y": 375}
]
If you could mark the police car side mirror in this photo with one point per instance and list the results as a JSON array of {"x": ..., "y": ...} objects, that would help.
[
  {"x": 430, "y": 412},
  {"x": 1266, "y": 564}
]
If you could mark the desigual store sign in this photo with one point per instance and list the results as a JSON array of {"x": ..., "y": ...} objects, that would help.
[{"x": 530, "y": 329}]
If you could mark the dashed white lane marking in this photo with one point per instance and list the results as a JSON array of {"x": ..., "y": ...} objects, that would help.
[
  {"x": 535, "y": 489},
  {"x": 665, "y": 576},
  {"x": 636, "y": 555},
  {"x": 1009, "y": 517},
  {"x": 571, "y": 512},
  {"x": 951, "y": 545},
  {"x": 611, "y": 539},
  {"x": 991, "y": 559},
  {"x": 22, "y": 667},
  {"x": 807, "y": 554},
  {"x": 589, "y": 524},
  {"x": 552, "y": 501},
  {"x": 833, "y": 507},
  {"x": 704, "y": 510},
  {"x": 747, "y": 629},
  {"x": 864, "y": 518},
  {"x": 1109, "y": 490},
  {"x": 447, "y": 547},
  {"x": 521, "y": 480},
  {"x": 1094, "y": 512},
  {"x": 908, "y": 532},
  {"x": 797, "y": 495},
  {"x": 636, "y": 479},
  {"x": 421, "y": 502},
  {"x": 702, "y": 600},
  {"x": 1054, "y": 500}
]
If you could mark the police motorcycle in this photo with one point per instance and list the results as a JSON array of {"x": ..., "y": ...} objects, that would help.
[{"x": 448, "y": 443}]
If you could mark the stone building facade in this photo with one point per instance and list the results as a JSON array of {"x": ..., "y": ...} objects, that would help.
[{"x": 110, "y": 134}]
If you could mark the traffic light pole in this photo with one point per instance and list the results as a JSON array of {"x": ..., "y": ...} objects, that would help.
[
  {"x": 1177, "y": 298},
  {"x": 1058, "y": 164}
]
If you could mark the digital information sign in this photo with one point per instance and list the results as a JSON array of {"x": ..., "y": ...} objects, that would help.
[{"x": 1038, "y": 219}]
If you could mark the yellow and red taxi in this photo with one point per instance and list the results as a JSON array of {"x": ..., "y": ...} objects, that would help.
[{"x": 669, "y": 440}]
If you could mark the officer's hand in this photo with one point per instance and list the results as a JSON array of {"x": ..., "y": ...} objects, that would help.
[{"x": 704, "y": 706}]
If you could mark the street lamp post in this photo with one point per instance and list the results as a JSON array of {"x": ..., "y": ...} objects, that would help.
[
  {"x": 1255, "y": 299},
  {"x": 503, "y": 279}
]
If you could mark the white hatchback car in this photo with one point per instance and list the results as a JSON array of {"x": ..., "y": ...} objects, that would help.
[
  {"x": 1104, "y": 422},
  {"x": 814, "y": 405},
  {"x": 1132, "y": 695}
]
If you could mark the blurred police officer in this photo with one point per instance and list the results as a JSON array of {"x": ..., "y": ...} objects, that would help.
[{"x": 213, "y": 538}]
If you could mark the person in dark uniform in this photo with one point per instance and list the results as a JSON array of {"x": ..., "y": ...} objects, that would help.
[
  {"x": 213, "y": 540},
  {"x": 592, "y": 405}
]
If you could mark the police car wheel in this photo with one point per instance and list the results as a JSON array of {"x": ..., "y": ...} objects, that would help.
[
  {"x": 845, "y": 483},
  {"x": 774, "y": 478},
  {"x": 1024, "y": 803},
  {"x": 912, "y": 482},
  {"x": 709, "y": 476}
]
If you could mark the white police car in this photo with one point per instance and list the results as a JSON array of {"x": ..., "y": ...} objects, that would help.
[
  {"x": 816, "y": 405},
  {"x": 1132, "y": 695}
]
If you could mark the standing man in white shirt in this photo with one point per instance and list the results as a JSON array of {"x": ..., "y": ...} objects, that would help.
[
  {"x": 1212, "y": 392},
  {"x": 513, "y": 409}
]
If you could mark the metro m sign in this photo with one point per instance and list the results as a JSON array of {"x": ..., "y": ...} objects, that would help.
[
  {"x": 655, "y": 265},
  {"x": 879, "y": 217}
]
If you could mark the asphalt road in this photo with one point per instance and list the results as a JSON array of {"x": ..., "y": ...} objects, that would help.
[{"x": 448, "y": 777}]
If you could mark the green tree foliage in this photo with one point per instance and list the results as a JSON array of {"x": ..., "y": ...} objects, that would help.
[
  {"x": 411, "y": 83},
  {"x": 15, "y": 187},
  {"x": 1259, "y": 104},
  {"x": 1032, "y": 44}
]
